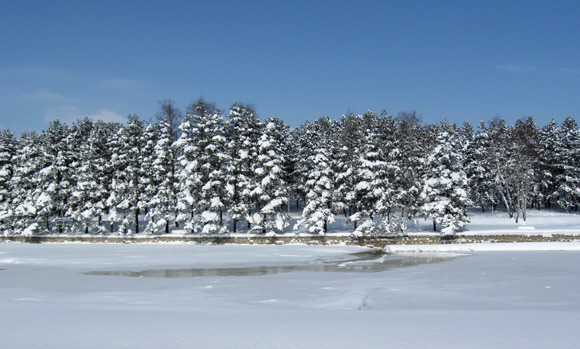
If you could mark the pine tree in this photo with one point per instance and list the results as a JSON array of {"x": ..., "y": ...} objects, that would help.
[
  {"x": 27, "y": 164},
  {"x": 203, "y": 158},
  {"x": 413, "y": 144},
  {"x": 303, "y": 140},
  {"x": 479, "y": 169},
  {"x": 7, "y": 154},
  {"x": 319, "y": 185},
  {"x": 149, "y": 178},
  {"x": 163, "y": 199},
  {"x": 444, "y": 193},
  {"x": 372, "y": 186},
  {"x": 188, "y": 173},
  {"x": 568, "y": 159},
  {"x": 390, "y": 198},
  {"x": 83, "y": 171},
  {"x": 347, "y": 162},
  {"x": 213, "y": 156},
  {"x": 549, "y": 144},
  {"x": 270, "y": 191},
  {"x": 242, "y": 133},
  {"x": 54, "y": 178},
  {"x": 127, "y": 187}
]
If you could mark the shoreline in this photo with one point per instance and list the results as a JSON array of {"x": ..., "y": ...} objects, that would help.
[{"x": 329, "y": 240}]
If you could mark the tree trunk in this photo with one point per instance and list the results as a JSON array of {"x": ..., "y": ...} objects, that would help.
[
  {"x": 167, "y": 226},
  {"x": 235, "y": 225},
  {"x": 137, "y": 221},
  {"x": 506, "y": 202},
  {"x": 264, "y": 224},
  {"x": 434, "y": 225}
]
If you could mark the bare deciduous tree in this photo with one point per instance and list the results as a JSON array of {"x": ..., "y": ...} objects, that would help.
[{"x": 169, "y": 113}]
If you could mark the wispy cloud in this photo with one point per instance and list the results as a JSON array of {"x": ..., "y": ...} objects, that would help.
[
  {"x": 44, "y": 95},
  {"x": 572, "y": 71},
  {"x": 123, "y": 84},
  {"x": 35, "y": 74},
  {"x": 516, "y": 68},
  {"x": 107, "y": 116},
  {"x": 70, "y": 113}
]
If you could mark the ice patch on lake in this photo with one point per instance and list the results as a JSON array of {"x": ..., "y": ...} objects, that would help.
[{"x": 366, "y": 262}]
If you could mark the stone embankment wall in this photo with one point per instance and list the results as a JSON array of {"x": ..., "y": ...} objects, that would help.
[{"x": 374, "y": 241}]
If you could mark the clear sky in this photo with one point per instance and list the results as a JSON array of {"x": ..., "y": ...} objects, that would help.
[{"x": 297, "y": 60}]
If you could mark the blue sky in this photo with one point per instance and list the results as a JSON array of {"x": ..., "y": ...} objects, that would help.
[{"x": 297, "y": 60}]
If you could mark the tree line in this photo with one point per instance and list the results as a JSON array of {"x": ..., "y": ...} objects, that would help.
[{"x": 214, "y": 172}]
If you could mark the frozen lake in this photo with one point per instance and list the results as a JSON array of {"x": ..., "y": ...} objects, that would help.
[{"x": 231, "y": 296}]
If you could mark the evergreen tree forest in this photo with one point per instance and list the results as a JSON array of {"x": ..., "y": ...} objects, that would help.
[{"x": 214, "y": 172}]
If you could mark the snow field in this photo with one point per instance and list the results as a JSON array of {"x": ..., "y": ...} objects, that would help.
[{"x": 484, "y": 299}]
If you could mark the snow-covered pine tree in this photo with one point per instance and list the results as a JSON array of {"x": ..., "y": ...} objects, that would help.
[
  {"x": 413, "y": 145},
  {"x": 302, "y": 139},
  {"x": 371, "y": 185},
  {"x": 104, "y": 135},
  {"x": 444, "y": 195},
  {"x": 82, "y": 200},
  {"x": 54, "y": 178},
  {"x": 568, "y": 161},
  {"x": 149, "y": 179},
  {"x": 212, "y": 160},
  {"x": 188, "y": 173},
  {"x": 346, "y": 158},
  {"x": 270, "y": 191},
  {"x": 107, "y": 144},
  {"x": 389, "y": 171},
  {"x": 466, "y": 136},
  {"x": 163, "y": 199},
  {"x": 242, "y": 134},
  {"x": 477, "y": 168},
  {"x": 27, "y": 164},
  {"x": 7, "y": 153},
  {"x": 549, "y": 144},
  {"x": 127, "y": 186},
  {"x": 319, "y": 185},
  {"x": 203, "y": 158}
]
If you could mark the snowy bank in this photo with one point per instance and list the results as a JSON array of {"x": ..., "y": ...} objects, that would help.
[{"x": 486, "y": 247}]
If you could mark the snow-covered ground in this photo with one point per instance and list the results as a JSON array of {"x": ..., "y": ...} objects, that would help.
[
  {"x": 237, "y": 296},
  {"x": 538, "y": 222}
]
